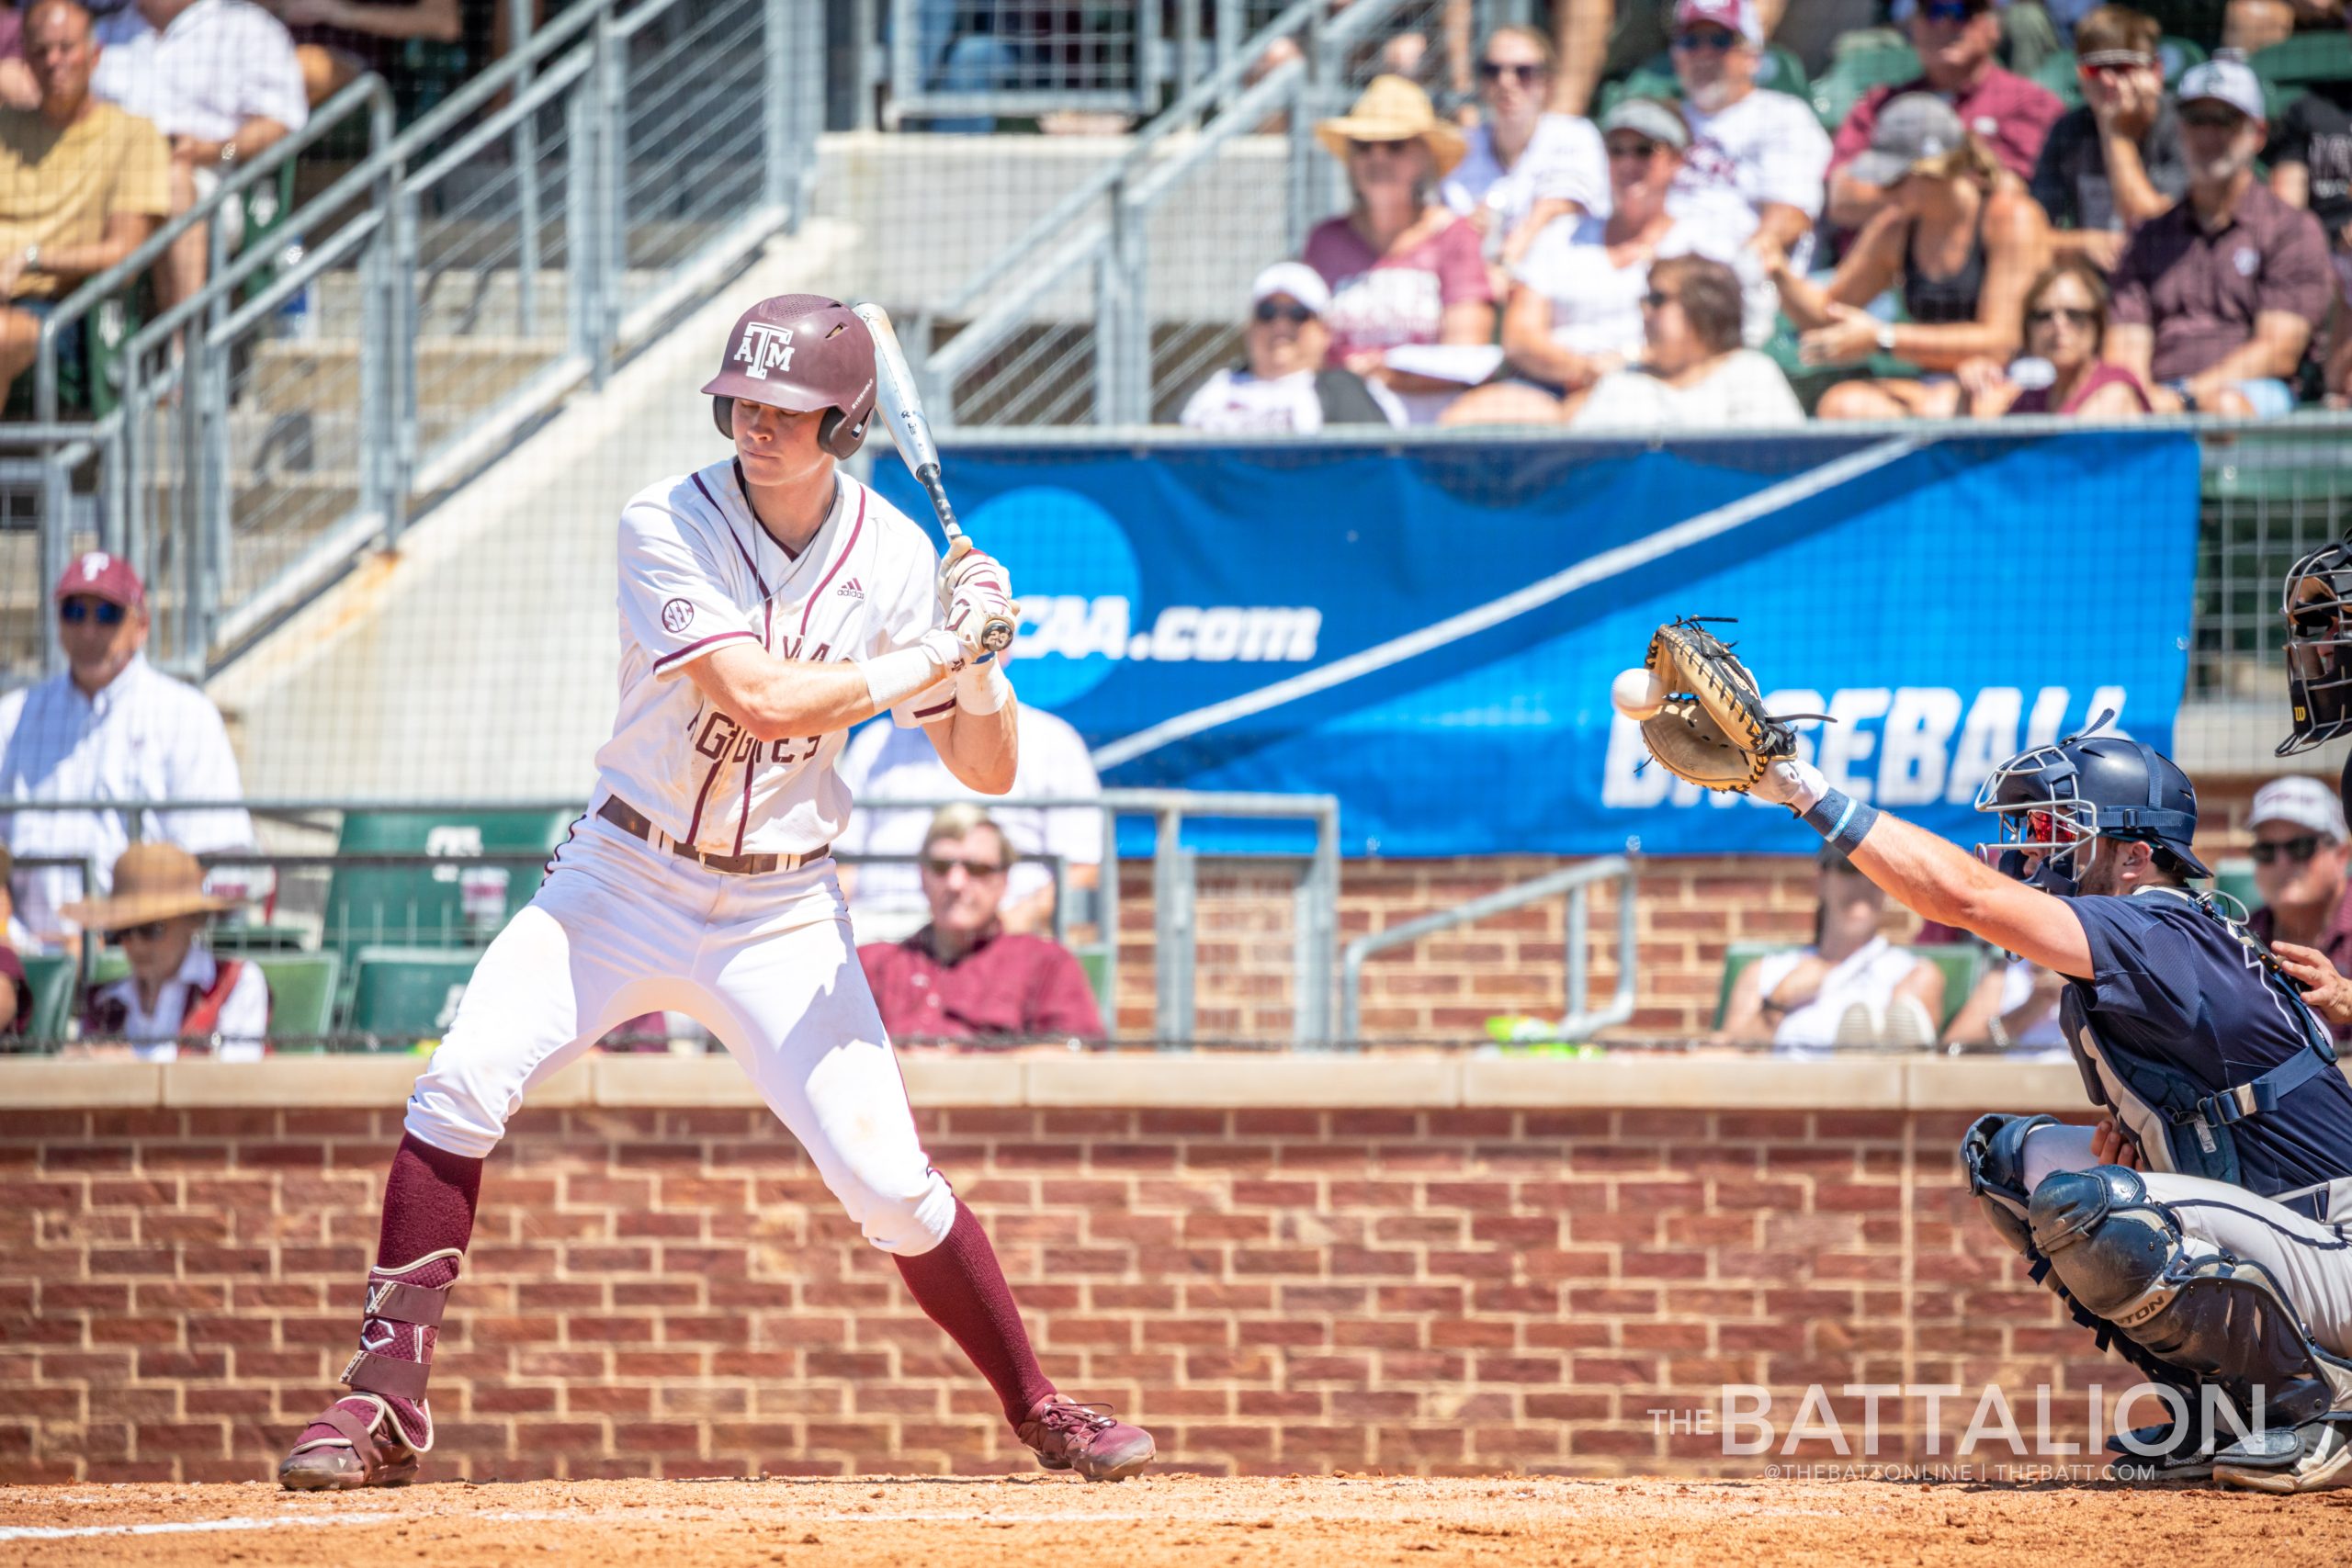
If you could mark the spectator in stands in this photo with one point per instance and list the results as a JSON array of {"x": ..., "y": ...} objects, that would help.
[
  {"x": 1404, "y": 271},
  {"x": 884, "y": 764},
  {"x": 82, "y": 184},
  {"x": 2061, "y": 372},
  {"x": 2301, "y": 856},
  {"x": 1524, "y": 167},
  {"x": 2113, "y": 161},
  {"x": 1695, "y": 374},
  {"x": 1285, "y": 384},
  {"x": 2014, "y": 1008},
  {"x": 1955, "y": 39},
  {"x": 338, "y": 42},
  {"x": 1574, "y": 313},
  {"x": 177, "y": 989},
  {"x": 16, "y": 997},
  {"x": 963, "y": 977},
  {"x": 1606, "y": 40},
  {"x": 2252, "y": 25},
  {"x": 1850, "y": 987},
  {"x": 2310, "y": 156},
  {"x": 1755, "y": 165},
  {"x": 110, "y": 727},
  {"x": 219, "y": 80},
  {"x": 2216, "y": 300},
  {"x": 1958, "y": 240}
]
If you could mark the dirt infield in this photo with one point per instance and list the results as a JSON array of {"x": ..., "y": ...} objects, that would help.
[{"x": 1297, "y": 1523}]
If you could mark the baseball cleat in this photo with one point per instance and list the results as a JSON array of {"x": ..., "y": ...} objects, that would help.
[
  {"x": 1066, "y": 1435},
  {"x": 2164, "y": 1452},
  {"x": 351, "y": 1451},
  {"x": 2313, "y": 1457}
]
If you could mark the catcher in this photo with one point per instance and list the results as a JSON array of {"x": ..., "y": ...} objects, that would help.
[{"x": 2205, "y": 1226}]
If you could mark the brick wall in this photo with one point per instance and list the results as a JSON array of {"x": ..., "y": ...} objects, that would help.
[{"x": 670, "y": 1291}]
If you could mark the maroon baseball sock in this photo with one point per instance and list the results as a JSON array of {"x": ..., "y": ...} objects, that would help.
[
  {"x": 960, "y": 1286},
  {"x": 429, "y": 1204}
]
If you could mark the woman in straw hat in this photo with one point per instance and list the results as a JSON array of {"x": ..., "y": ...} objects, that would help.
[
  {"x": 1402, "y": 268},
  {"x": 1960, "y": 239},
  {"x": 177, "y": 989}
]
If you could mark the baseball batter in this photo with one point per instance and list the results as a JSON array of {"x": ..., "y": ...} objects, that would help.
[
  {"x": 768, "y": 603},
  {"x": 2205, "y": 1226}
]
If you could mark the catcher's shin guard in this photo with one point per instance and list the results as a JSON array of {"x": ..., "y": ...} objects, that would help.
[
  {"x": 373, "y": 1436},
  {"x": 2125, "y": 1257}
]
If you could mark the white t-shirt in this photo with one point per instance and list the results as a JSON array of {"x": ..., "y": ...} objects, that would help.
[
  {"x": 143, "y": 736},
  {"x": 698, "y": 572},
  {"x": 1596, "y": 305},
  {"x": 154, "y": 1036},
  {"x": 1235, "y": 403},
  {"x": 1564, "y": 161},
  {"x": 1745, "y": 392},
  {"x": 221, "y": 63},
  {"x": 1869, "y": 975},
  {"x": 1766, "y": 148},
  {"x": 885, "y": 763},
  {"x": 2017, "y": 985}
]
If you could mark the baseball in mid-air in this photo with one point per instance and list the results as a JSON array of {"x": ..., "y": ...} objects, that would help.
[{"x": 1638, "y": 693}]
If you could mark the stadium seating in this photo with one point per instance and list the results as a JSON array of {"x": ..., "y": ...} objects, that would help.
[
  {"x": 49, "y": 977},
  {"x": 302, "y": 993},
  {"x": 2306, "y": 59},
  {"x": 407, "y": 992},
  {"x": 1960, "y": 962},
  {"x": 1780, "y": 70},
  {"x": 1871, "y": 63},
  {"x": 457, "y": 905}
]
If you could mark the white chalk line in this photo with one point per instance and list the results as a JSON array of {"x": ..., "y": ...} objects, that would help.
[
  {"x": 601, "y": 1517},
  {"x": 1586, "y": 572}
]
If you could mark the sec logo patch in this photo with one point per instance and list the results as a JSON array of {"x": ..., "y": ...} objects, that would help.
[{"x": 678, "y": 615}]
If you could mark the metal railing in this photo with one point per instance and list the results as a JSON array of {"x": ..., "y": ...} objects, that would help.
[
  {"x": 1575, "y": 883},
  {"x": 1021, "y": 358},
  {"x": 550, "y": 216},
  {"x": 1175, "y": 873}
]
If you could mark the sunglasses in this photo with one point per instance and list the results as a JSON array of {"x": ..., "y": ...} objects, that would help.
[
  {"x": 939, "y": 865},
  {"x": 1655, "y": 300},
  {"x": 2299, "y": 849},
  {"x": 152, "y": 932},
  {"x": 1710, "y": 40},
  {"x": 1642, "y": 149},
  {"x": 1396, "y": 147},
  {"x": 1496, "y": 69},
  {"x": 2072, "y": 315},
  {"x": 1948, "y": 11},
  {"x": 76, "y": 611},
  {"x": 1271, "y": 310},
  {"x": 2114, "y": 67},
  {"x": 2212, "y": 119}
]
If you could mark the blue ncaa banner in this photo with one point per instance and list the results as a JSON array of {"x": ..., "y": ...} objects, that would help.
[{"x": 1428, "y": 629}]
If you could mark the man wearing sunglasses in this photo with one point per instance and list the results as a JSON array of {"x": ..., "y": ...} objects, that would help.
[
  {"x": 2300, "y": 855},
  {"x": 110, "y": 727},
  {"x": 1955, "y": 39},
  {"x": 963, "y": 977},
  {"x": 1283, "y": 386},
  {"x": 1756, "y": 156},
  {"x": 2114, "y": 161}
]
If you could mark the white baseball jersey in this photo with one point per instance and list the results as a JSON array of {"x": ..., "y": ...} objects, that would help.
[{"x": 698, "y": 572}]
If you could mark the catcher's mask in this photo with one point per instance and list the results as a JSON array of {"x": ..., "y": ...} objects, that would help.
[
  {"x": 2319, "y": 648},
  {"x": 2054, "y": 802}
]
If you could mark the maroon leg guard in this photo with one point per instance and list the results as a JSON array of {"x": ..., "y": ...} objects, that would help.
[{"x": 959, "y": 1284}]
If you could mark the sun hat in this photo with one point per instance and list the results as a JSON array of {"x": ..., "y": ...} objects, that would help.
[
  {"x": 152, "y": 882},
  {"x": 1393, "y": 110}
]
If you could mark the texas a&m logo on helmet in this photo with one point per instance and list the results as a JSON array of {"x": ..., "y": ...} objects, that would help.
[{"x": 766, "y": 347}]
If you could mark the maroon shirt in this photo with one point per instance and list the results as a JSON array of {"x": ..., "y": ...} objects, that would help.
[
  {"x": 2335, "y": 940},
  {"x": 2012, "y": 114},
  {"x": 1017, "y": 987},
  {"x": 2200, "y": 291}
]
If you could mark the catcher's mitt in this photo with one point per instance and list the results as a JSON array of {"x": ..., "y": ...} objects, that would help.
[{"x": 1712, "y": 729}]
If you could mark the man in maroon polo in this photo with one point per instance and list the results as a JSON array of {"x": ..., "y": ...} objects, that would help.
[
  {"x": 2301, "y": 852},
  {"x": 1955, "y": 39},
  {"x": 963, "y": 977}
]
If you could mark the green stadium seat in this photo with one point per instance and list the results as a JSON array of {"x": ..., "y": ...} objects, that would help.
[
  {"x": 2235, "y": 877},
  {"x": 441, "y": 906},
  {"x": 407, "y": 992},
  {"x": 1854, "y": 72},
  {"x": 49, "y": 977},
  {"x": 1962, "y": 963},
  {"x": 2177, "y": 55},
  {"x": 1098, "y": 972},
  {"x": 1780, "y": 70},
  {"x": 2307, "y": 59},
  {"x": 301, "y": 994}
]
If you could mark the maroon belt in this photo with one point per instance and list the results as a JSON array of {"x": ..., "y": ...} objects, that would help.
[{"x": 632, "y": 821}]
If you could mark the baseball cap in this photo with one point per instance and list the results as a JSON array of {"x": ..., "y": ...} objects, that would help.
[
  {"x": 103, "y": 576},
  {"x": 1733, "y": 15},
  {"x": 2303, "y": 800},
  {"x": 2228, "y": 81},
  {"x": 1649, "y": 118},
  {"x": 1299, "y": 280},
  {"x": 1911, "y": 129}
]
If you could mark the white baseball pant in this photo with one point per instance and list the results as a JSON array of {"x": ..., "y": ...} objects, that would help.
[{"x": 766, "y": 962}]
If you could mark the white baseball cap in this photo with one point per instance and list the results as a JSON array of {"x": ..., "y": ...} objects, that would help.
[
  {"x": 2304, "y": 801},
  {"x": 2231, "y": 81},
  {"x": 1299, "y": 280}
]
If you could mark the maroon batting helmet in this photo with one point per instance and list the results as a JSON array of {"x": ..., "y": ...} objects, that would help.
[{"x": 799, "y": 352}]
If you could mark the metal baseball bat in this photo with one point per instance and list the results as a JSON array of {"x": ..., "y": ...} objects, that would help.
[{"x": 895, "y": 388}]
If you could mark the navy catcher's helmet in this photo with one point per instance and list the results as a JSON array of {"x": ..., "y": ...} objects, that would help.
[
  {"x": 2317, "y": 603},
  {"x": 2053, "y": 801}
]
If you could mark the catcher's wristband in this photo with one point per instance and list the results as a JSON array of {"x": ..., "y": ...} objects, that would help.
[{"x": 1841, "y": 820}]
